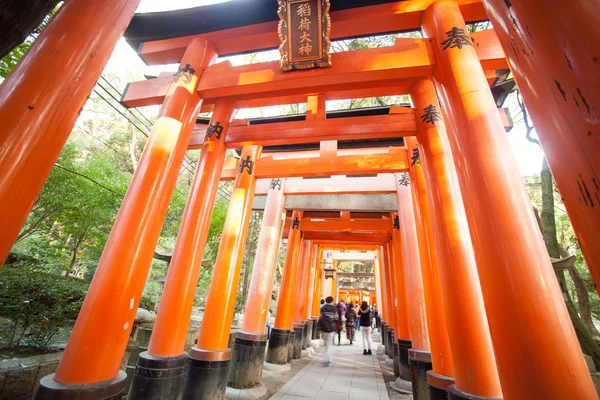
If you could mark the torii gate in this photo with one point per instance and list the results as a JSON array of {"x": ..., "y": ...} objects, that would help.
[{"x": 463, "y": 227}]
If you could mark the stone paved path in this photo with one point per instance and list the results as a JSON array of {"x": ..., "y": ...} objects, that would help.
[{"x": 351, "y": 376}]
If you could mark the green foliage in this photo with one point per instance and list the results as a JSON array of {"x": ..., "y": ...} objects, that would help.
[{"x": 39, "y": 304}]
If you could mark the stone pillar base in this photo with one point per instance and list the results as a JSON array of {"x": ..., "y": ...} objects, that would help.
[
  {"x": 157, "y": 378},
  {"x": 419, "y": 362},
  {"x": 254, "y": 393},
  {"x": 298, "y": 339},
  {"x": 50, "y": 389},
  {"x": 277, "y": 348},
  {"x": 438, "y": 385},
  {"x": 389, "y": 348},
  {"x": 207, "y": 374},
  {"x": 455, "y": 394},
  {"x": 403, "y": 366},
  {"x": 308, "y": 327},
  {"x": 315, "y": 328},
  {"x": 247, "y": 361}
]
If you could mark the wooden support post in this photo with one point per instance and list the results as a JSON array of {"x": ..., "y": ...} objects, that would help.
[
  {"x": 251, "y": 341},
  {"x": 277, "y": 351},
  {"x": 90, "y": 358},
  {"x": 463, "y": 303},
  {"x": 402, "y": 331},
  {"x": 165, "y": 350},
  {"x": 419, "y": 355},
  {"x": 209, "y": 359},
  {"x": 554, "y": 59},
  {"x": 42, "y": 97},
  {"x": 522, "y": 296}
]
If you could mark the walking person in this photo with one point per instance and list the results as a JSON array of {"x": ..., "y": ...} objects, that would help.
[
  {"x": 341, "y": 307},
  {"x": 365, "y": 327},
  {"x": 351, "y": 318},
  {"x": 327, "y": 323}
]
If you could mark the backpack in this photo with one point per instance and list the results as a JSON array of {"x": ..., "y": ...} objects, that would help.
[{"x": 326, "y": 324}]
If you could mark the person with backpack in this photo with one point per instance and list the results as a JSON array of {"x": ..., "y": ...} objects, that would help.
[
  {"x": 327, "y": 323},
  {"x": 365, "y": 327},
  {"x": 350, "y": 320}
]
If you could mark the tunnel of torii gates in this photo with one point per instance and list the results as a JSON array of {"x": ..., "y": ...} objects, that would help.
[{"x": 468, "y": 296}]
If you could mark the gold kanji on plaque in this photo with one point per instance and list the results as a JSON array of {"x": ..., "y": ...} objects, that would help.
[{"x": 304, "y": 27}]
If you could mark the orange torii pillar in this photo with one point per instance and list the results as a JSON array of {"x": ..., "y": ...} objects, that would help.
[
  {"x": 419, "y": 355},
  {"x": 441, "y": 358},
  {"x": 97, "y": 344},
  {"x": 390, "y": 306},
  {"x": 251, "y": 341},
  {"x": 402, "y": 333},
  {"x": 523, "y": 300},
  {"x": 378, "y": 287},
  {"x": 165, "y": 351},
  {"x": 42, "y": 97},
  {"x": 308, "y": 298},
  {"x": 318, "y": 286},
  {"x": 210, "y": 358},
  {"x": 384, "y": 297},
  {"x": 299, "y": 304},
  {"x": 554, "y": 60},
  {"x": 281, "y": 334},
  {"x": 466, "y": 321}
]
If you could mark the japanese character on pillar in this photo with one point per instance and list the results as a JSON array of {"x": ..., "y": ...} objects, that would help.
[
  {"x": 246, "y": 164},
  {"x": 396, "y": 223},
  {"x": 404, "y": 179},
  {"x": 304, "y": 27},
  {"x": 456, "y": 38},
  {"x": 296, "y": 224},
  {"x": 415, "y": 158},
  {"x": 430, "y": 115},
  {"x": 275, "y": 184},
  {"x": 214, "y": 129},
  {"x": 187, "y": 72}
]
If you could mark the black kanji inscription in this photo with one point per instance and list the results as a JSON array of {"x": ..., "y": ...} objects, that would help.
[
  {"x": 187, "y": 72},
  {"x": 214, "y": 129},
  {"x": 456, "y": 38},
  {"x": 430, "y": 115},
  {"x": 246, "y": 164}
]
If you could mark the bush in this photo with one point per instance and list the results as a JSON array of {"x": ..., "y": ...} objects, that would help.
[{"x": 38, "y": 303}]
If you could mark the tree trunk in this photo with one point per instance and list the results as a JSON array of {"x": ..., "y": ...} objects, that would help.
[
  {"x": 583, "y": 301},
  {"x": 19, "y": 18},
  {"x": 584, "y": 335}
]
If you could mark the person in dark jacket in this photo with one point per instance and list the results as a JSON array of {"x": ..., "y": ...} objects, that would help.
[
  {"x": 365, "y": 327},
  {"x": 327, "y": 323},
  {"x": 350, "y": 320},
  {"x": 341, "y": 307}
]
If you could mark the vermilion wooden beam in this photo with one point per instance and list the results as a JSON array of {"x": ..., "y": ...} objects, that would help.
[
  {"x": 317, "y": 130},
  {"x": 355, "y": 74},
  {"x": 363, "y": 21},
  {"x": 366, "y": 238},
  {"x": 309, "y": 225},
  {"x": 340, "y": 245},
  {"x": 336, "y": 215},
  {"x": 270, "y": 166},
  {"x": 400, "y": 122},
  {"x": 382, "y": 183}
]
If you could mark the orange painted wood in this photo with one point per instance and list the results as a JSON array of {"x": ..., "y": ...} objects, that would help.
[
  {"x": 367, "y": 238},
  {"x": 42, "y": 97},
  {"x": 284, "y": 318},
  {"x": 127, "y": 256},
  {"x": 388, "y": 279},
  {"x": 412, "y": 267},
  {"x": 309, "y": 225},
  {"x": 402, "y": 329},
  {"x": 226, "y": 275},
  {"x": 363, "y": 21},
  {"x": 510, "y": 268},
  {"x": 303, "y": 281},
  {"x": 312, "y": 266},
  {"x": 312, "y": 131},
  {"x": 173, "y": 317},
  {"x": 382, "y": 183},
  {"x": 268, "y": 167},
  {"x": 265, "y": 261},
  {"x": 556, "y": 71}
]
